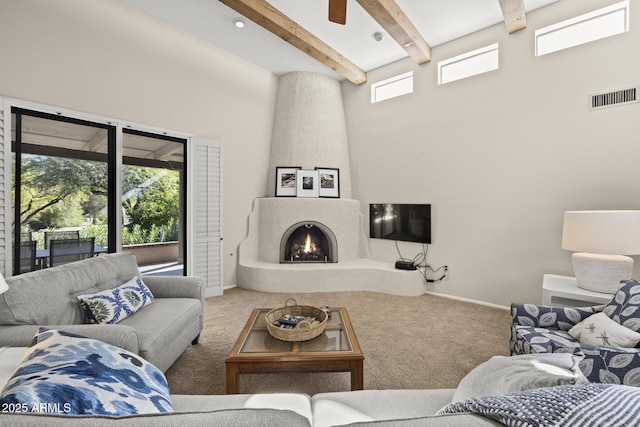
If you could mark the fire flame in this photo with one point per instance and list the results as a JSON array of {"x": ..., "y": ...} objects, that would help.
[{"x": 307, "y": 244}]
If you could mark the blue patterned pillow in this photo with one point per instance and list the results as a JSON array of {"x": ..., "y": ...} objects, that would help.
[
  {"x": 624, "y": 308},
  {"x": 115, "y": 304},
  {"x": 67, "y": 374}
]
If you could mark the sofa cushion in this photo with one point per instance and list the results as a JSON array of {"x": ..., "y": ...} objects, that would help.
[
  {"x": 599, "y": 329},
  {"x": 225, "y": 417},
  {"x": 507, "y": 374},
  {"x": 48, "y": 297},
  {"x": 447, "y": 420},
  {"x": 541, "y": 340},
  {"x": 296, "y": 402},
  {"x": 10, "y": 358},
  {"x": 115, "y": 304},
  {"x": 68, "y": 374},
  {"x": 624, "y": 306},
  {"x": 161, "y": 324},
  {"x": 589, "y": 404},
  {"x": 342, "y": 408}
]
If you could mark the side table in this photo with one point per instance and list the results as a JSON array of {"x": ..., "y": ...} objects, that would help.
[{"x": 563, "y": 291}]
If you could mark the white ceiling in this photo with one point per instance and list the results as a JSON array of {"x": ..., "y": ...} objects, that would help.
[{"x": 439, "y": 21}]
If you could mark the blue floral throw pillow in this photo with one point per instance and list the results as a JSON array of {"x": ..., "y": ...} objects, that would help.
[
  {"x": 115, "y": 304},
  {"x": 67, "y": 374},
  {"x": 624, "y": 308}
]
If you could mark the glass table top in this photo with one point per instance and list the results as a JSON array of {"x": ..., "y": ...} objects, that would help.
[{"x": 334, "y": 338}]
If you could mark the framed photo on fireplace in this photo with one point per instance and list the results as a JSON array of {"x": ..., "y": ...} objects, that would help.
[
  {"x": 329, "y": 182},
  {"x": 307, "y": 183},
  {"x": 286, "y": 181}
]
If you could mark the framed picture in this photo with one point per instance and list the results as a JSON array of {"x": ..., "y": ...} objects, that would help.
[
  {"x": 286, "y": 181},
  {"x": 307, "y": 184},
  {"x": 329, "y": 182}
]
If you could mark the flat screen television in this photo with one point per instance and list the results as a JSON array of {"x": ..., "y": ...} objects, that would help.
[{"x": 400, "y": 221}]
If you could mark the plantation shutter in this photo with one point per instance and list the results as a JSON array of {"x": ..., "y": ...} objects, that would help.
[
  {"x": 205, "y": 257},
  {"x": 5, "y": 190}
]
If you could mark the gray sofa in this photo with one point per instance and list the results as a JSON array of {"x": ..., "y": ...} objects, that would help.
[
  {"x": 402, "y": 408},
  {"x": 159, "y": 332},
  {"x": 493, "y": 379}
]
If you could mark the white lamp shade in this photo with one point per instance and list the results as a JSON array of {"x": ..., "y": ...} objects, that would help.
[
  {"x": 3, "y": 285},
  {"x": 602, "y": 232}
]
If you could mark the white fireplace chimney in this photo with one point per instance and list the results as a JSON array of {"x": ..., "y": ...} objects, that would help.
[
  {"x": 309, "y": 131},
  {"x": 309, "y": 128}
]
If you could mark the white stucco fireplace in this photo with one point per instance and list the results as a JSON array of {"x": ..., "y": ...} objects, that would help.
[
  {"x": 310, "y": 131},
  {"x": 259, "y": 254}
]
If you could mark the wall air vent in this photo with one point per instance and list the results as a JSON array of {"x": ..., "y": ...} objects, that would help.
[{"x": 610, "y": 99}]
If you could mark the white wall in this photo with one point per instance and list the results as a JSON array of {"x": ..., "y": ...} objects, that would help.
[
  {"x": 102, "y": 57},
  {"x": 500, "y": 156}
]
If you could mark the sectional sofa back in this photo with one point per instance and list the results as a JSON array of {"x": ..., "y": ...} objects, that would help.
[{"x": 48, "y": 297}]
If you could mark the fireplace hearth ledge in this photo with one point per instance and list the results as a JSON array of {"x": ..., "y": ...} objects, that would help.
[{"x": 355, "y": 275}]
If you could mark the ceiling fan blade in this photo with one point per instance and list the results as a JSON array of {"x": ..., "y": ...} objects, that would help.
[{"x": 338, "y": 11}]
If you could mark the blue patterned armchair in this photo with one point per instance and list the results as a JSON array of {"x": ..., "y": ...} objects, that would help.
[{"x": 543, "y": 329}]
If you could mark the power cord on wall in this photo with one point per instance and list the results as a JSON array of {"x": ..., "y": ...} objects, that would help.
[{"x": 421, "y": 264}]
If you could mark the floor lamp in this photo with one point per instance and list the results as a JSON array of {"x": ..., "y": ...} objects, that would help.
[{"x": 602, "y": 239}]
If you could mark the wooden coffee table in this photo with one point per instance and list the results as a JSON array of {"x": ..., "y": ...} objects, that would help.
[{"x": 335, "y": 350}]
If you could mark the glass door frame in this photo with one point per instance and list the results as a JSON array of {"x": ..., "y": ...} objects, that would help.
[
  {"x": 183, "y": 237},
  {"x": 112, "y": 181}
]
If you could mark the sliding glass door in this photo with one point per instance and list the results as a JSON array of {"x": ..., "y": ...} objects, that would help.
[
  {"x": 76, "y": 179},
  {"x": 125, "y": 187},
  {"x": 153, "y": 201},
  {"x": 63, "y": 184}
]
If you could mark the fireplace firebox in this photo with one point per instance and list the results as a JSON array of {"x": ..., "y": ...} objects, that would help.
[{"x": 308, "y": 241}]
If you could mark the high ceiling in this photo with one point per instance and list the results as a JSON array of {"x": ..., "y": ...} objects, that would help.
[{"x": 436, "y": 21}]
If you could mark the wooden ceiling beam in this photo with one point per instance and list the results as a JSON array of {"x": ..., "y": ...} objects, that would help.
[
  {"x": 394, "y": 21},
  {"x": 515, "y": 18},
  {"x": 270, "y": 18}
]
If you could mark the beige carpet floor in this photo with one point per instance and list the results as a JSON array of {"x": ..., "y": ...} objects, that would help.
[{"x": 408, "y": 342}]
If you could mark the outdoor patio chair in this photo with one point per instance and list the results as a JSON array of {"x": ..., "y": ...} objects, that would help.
[
  {"x": 27, "y": 256},
  {"x": 57, "y": 235},
  {"x": 69, "y": 250}
]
